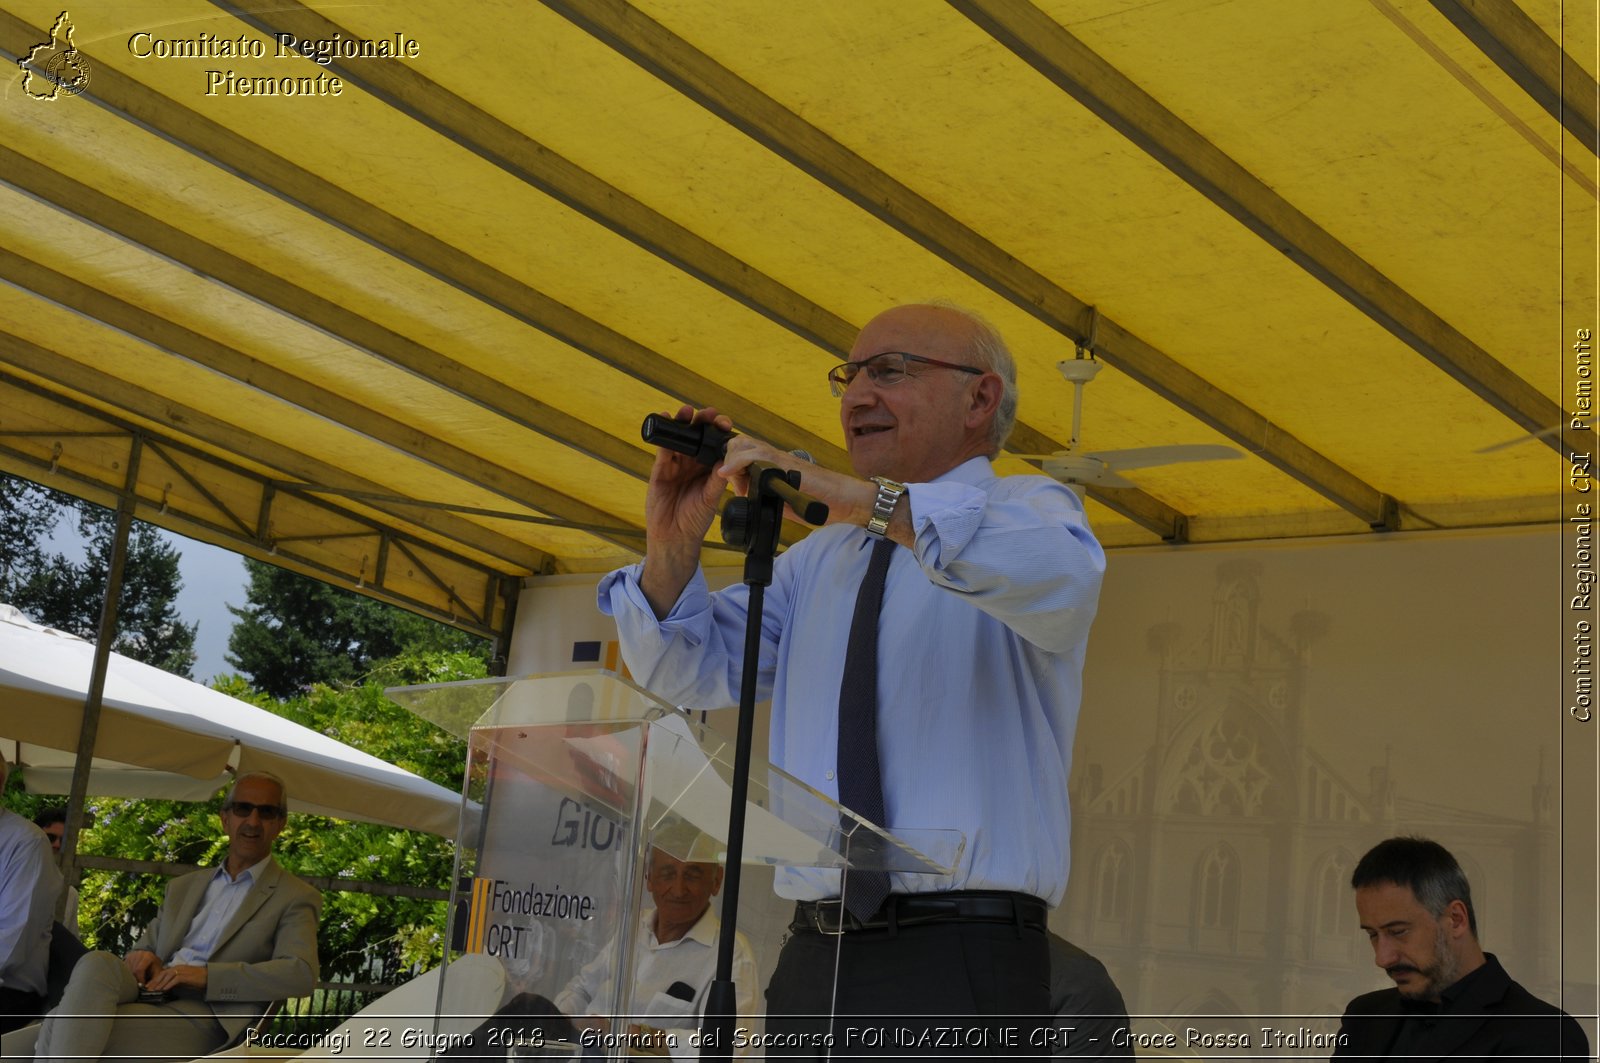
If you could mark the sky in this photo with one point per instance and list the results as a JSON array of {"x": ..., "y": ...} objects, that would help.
[{"x": 213, "y": 579}]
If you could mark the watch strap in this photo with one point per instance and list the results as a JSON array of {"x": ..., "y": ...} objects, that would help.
[{"x": 889, "y": 494}]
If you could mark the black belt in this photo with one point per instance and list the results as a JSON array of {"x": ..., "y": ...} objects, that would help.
[{"x": 917, "y": 909}]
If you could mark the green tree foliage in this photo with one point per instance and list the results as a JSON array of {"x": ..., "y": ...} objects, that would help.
[
  {"x": 294, "y": 631},
  {"x": 318, "y": 656},
  {"x": 27, "y": 517},
  {"x": 114, "y": 907},
  {"x": 55, "y": 590}
]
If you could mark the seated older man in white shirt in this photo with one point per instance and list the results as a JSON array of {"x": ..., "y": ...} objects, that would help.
[{"x": 676, "y": 954}]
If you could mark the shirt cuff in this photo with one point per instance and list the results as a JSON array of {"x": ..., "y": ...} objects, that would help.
[{"x": 619, "y": 595}]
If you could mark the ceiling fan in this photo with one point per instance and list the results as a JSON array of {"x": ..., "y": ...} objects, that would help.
[{"x": 1079, "y": 469}]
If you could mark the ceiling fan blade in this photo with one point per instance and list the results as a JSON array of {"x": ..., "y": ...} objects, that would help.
[
  {"x": 1147, "y": 457},
  {"x": 1526, "y": 438},
  {"x": 1071, "y": 468},
  {"x": 1107, "y": 478}
]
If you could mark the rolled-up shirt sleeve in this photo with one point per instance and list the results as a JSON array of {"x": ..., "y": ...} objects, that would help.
[
  {"x": 694, "y": 655},
  {"x": 1021, "y": 552}
]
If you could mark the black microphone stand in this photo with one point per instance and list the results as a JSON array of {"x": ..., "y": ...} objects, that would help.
[{"x": 752, "y": 522}]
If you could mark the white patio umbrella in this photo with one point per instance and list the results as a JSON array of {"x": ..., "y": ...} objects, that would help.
[{"x": 161, "y": 735}]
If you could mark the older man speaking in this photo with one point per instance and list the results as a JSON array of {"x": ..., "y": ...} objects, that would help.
[{"x": 923, "y": 653}]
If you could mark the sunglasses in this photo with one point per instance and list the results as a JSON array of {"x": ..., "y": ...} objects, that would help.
[{"x": 242, "y": 809}]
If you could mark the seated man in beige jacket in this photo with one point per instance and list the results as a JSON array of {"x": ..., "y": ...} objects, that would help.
[{"x": 225, "y": 943}]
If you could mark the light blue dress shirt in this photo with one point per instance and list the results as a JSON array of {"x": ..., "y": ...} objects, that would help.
[
  {"x": 980, "y": 650},
  {"x": 217, "y": 907}
]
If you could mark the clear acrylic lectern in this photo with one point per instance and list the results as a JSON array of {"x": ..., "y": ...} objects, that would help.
[{"x": 572, "y": 780}]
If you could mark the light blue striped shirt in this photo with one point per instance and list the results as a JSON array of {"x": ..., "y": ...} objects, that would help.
[
  {"x": 221, "y": 900},
  {"x": 980, "y": 650}
]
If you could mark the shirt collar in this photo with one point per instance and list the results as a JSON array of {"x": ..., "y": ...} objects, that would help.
[
  {"x": 1463, "y": 990},
  {"x": 975, "y": 471},
  {"x": 251, "y": 874},
  {"x": 704, "y": 931}
]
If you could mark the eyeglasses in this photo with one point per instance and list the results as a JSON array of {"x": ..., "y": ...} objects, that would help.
[
  {"x": 885, "y": 370},
  {"x": 242, "y": 809}
]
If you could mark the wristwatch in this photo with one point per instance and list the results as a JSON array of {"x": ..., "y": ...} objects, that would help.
[{"x": 889, "y": 493}]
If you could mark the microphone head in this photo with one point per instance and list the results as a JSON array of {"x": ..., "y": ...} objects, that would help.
[{"x": 705, "y": 443}]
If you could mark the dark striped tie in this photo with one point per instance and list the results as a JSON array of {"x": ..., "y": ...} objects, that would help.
[{"x": 860, "y": 780}]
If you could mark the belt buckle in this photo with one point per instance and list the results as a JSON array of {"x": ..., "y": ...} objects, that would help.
[{"x": 820, "y": 910}]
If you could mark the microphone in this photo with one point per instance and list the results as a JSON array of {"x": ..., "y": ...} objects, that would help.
[{"x": 705, "y": 443}]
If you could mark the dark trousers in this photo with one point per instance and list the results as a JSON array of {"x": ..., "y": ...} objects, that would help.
[
  {"x": 935, "y": 991},
  {"x": 18, "y": 1008}
]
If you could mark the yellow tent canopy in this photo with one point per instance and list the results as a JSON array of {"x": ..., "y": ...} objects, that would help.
[{"x": 381, "y": 293}]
